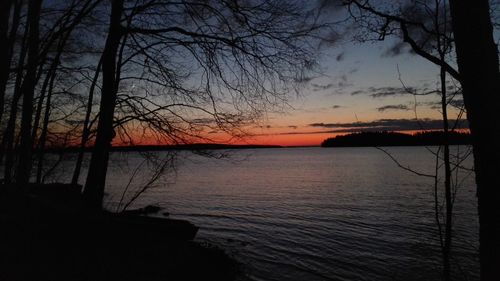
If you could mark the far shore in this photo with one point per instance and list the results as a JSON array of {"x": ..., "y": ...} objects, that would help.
[{"x": 363, "y": 139}]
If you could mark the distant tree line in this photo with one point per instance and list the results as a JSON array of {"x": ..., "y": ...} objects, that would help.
[{"x": 385, "y": 138}]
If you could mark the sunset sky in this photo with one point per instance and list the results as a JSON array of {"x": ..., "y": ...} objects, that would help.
[{"x": 359, "y": 84}]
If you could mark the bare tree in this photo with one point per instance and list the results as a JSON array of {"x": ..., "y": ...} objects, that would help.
[
  {"x": 175, "y": 69},
  {"x": 94, "y": 185},
  {"x": 478, "y": 73},
  {"x": 8, "y": 136},
  {"x": 10, "y": 19},
  {"x": 57, "y": 23},
  {"x": 425, "y": 26},
  {"x": 28, "y": 91},
  {"x": 86, "y": 125}
]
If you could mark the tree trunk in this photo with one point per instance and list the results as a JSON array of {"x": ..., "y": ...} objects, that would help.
[
  {"x": 43, "y": 134},
  {"x": 26, "y": 146},
  {"x": 86, "y": 127},
  {"x": 96, "y": 177},
  {"x": 8, "y": 136},
  {"x": 477, "y": 60},
  {"x": 41, "y": 99},
  {"x": 447, "y": 179},
  {"x": 5, "y": 9}
]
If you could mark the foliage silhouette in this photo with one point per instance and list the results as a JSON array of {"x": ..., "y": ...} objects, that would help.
[{"x": 385, "y": 138}]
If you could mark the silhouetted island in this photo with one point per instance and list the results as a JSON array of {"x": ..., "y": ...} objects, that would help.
[{"x": 396, "y": 139}]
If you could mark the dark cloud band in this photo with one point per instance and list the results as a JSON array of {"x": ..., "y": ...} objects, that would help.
[{"x": 392, "y": 125}]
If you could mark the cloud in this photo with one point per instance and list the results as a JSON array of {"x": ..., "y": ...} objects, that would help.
[
  {"x": 396, "y": 50},
  {"x": 390, "y": 91},
  {"x": 293, "y": 126},
  {"x": 430, "y": 104},
  {"x": 318, "y": 87},
  {"x": 381, "y": 92},
  {"x": 393, "y": 107},
  {"x": 357, "y": 92},
  {"x": 456, "y": 103},
  {"x": 336, "y": 106},
  {"x": 203, "y": 121},
  {"x": 262, "y": 127},
  {"x": 343, "y": 82},
  {"x": 340, "y": 57},
  {"x": 331, "y": 38},
  {"x": 389, "y": 125},
  {"x": 374, "y": 126},
  {"x": 304, "y": 79}
]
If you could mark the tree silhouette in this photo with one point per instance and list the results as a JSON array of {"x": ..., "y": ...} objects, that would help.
[
  {"x": 245, "y": 54},
  {"x": 28, "y": 92},
  {"x": 478, "y": 74},
  {"x": 98, "y": 73},
  {"x": 477, "y": 59}
]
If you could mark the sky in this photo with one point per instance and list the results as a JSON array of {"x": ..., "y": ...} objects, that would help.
[
  {"x": 361, "y": 87},
  {"x": 356, "y": 87}
]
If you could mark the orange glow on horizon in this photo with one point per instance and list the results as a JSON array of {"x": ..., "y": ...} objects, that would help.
[
  {"x": 299, "y": 139},
  {"x": 290, "y": 140}
]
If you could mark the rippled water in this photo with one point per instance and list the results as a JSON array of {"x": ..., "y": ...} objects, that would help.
[{"x": 316, "y": 213}]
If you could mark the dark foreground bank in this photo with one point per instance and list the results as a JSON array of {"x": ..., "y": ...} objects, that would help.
[{"x": 43, "y": 238}]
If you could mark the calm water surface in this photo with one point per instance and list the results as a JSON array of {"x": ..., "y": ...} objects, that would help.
[{"x": 315, "y": 213}]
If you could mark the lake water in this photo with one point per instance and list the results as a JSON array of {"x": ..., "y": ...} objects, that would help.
[{"x": 314, "y": 213}]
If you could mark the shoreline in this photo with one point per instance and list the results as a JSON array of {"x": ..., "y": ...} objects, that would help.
[{"x": 42, "y": 240}]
